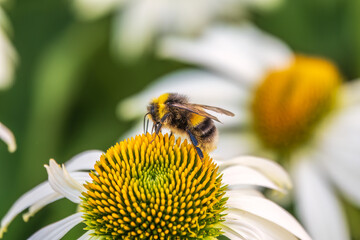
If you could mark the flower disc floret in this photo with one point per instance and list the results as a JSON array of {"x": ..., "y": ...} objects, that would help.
[{"x": 161, "y": 189}]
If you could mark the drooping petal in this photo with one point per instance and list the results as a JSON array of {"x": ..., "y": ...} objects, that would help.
[
  {"x": 269, "y": 211},
  {"x": 28, "y": 199},
  {"x": 83, "y": 161},
  {"x": 316, "y": 203},
  {"x": 58, "y": 229},
  {"x": 219, "y": 92},
  {"x": 269, "y": 168},
  {"x": 8, "y": 137},
  {"x": 243, "y": 53},
  {"x": 33, "y": 209},
  {"x": 62, "y": 182}
]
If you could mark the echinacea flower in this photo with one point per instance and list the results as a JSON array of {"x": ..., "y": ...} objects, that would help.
[
  {"x": 146, "y": 188},
  {"x": 138, "y": 23},
  {"x": 292, "y": 108}
]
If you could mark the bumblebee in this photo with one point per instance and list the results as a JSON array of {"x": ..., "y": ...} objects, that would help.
[{"x": 174, "y": 112}]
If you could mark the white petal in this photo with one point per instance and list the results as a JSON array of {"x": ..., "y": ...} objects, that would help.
[
  {"x": 351, "y": 92},
  {"x": 316, "y": 203},
  {"x": 231, "y": 233},
  {"x": 219, "y": 92},
  {"x": 268, "y": 210},
  {"x": 241, "y": 175},
  {"x": 92, "y": 9},
  {"x": 255, "y": 227},
  {"x": 40, "y": 204},
  {"x": 83, "y": 161},
  {"x": 339, "y": 151},
  {"x": 88, "y": 236},
  {"x": 243, "y": 53},
  {"x": 135, "y": 28},
  {"x": 62, "y": 182},
  {"x": 347, "y": 180},
  {"x": 269, "y": 168},
  {"x": 8, "y": 58},
  {"x": 8, "y": 137},
  {"x": 58, "y": 229},
  {"x": 28, "y": 199},
  {"x": 232, "y": 144}
]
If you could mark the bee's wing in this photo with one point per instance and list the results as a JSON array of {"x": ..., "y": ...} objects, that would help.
[
  {"x": 215, "y": 109},
  {"x": 197, "y": 109}
]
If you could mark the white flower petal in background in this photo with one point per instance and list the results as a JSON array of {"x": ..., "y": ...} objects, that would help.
[
  {"x": 244, "y": 53},
  {"x": 138, "y": 24},
  {"x": 8, "y": 55},
  {"x": 351, "y": 92},
  {"x": 58, "y": 229},
  {"x": 339, "y": 151},
  {"x": 231, "y": 144},
  {"x": 93, "y": 9},
  {"x": 134, "y": 30},
  {"x": 8, "y": 137},
  {"x": 316, "y": 203}
]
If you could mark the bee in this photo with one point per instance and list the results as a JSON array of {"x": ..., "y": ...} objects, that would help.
[{"x": 174, "y": 112}]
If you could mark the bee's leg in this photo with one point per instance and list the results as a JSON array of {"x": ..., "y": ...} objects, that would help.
[
  {"x": 171, "y": 134},
  {"x": 195, "y": 143}
]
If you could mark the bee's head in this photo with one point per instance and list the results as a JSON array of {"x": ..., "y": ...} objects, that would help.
[{"x": 151, "y": 108}]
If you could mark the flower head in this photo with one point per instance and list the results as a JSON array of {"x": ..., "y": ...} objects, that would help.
[
  {"x": 161, "y": 189},
  {"x": 289, "y": 103}
]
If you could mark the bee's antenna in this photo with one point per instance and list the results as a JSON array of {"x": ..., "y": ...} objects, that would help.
[{"x": 145, "y": 130}]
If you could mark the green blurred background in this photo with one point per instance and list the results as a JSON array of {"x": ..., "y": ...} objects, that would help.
[{"x": 68, "y": 84}]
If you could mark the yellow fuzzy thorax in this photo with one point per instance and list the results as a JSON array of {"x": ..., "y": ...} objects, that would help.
[
  {"x": 160, "y": 101},
  {"x": 289, "y": 103},
  {"x": 161, "y": 189}
]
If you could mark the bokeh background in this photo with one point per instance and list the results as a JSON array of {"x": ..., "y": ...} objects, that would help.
[{"x": 68, "y": 83}]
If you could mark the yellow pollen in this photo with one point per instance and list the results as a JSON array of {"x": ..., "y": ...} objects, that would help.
[
  {"x": 154, "y": 190},
  {"x": 289, "y": 103}
]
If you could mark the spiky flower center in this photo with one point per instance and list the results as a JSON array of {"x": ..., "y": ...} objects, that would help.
[
  {"x": 154, "y": 190},
  {"x": 289, "y": 103}
]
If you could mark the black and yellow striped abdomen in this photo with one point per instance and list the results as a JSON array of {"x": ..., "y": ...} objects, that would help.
[{"x": 206, "y": 133}]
